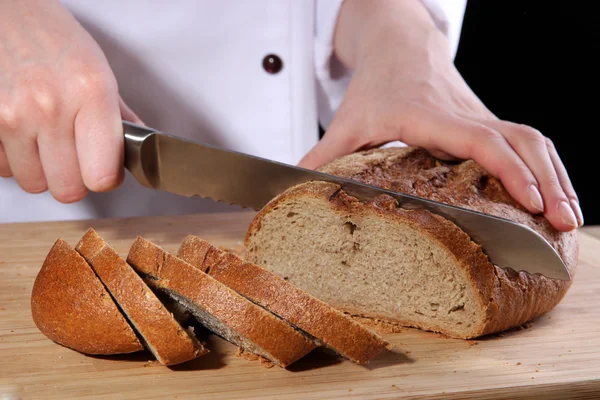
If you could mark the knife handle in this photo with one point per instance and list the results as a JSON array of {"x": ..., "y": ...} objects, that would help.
[{"x": 140, "y": 152}]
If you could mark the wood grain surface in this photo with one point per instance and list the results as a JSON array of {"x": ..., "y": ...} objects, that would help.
[{"x": 556, "y": 357}]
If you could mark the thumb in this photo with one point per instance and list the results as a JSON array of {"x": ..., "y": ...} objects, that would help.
[{"x": 335, "y": 143}]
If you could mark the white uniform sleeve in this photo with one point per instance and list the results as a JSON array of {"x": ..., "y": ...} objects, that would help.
[{"x": 333, "y": 79}]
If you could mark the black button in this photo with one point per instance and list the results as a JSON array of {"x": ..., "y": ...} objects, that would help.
[{"x": 272, "y": 63}]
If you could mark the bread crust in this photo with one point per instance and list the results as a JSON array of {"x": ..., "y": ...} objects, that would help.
[
  {"x": 166, "y": 271},
  {"x": 70, "y": 306},
  {"x": 507, "y": 298},
  {"x": 332, "y": 327},
  {"x": 168, "y": 340}
]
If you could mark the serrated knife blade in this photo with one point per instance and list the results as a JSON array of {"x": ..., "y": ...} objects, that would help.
[{"x": 187, "y": 168}]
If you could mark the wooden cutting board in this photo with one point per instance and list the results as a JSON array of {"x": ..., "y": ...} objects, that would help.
[{"x": 558, "y": 356}]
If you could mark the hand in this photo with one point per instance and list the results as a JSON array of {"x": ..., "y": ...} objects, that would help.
[
  {"x": 60, "y": 111},
  {"x": 405, "y": 87}
]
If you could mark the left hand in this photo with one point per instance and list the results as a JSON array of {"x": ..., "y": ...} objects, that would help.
[{"x": 405, "y": 87}]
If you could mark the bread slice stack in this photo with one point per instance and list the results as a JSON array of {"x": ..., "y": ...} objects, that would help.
[
  {"x": 90, "y": 299},
  {"x": 328, "y": 326}
]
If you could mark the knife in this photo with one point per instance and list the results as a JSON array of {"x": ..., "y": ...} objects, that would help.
[{"x": 165, "y": 162}]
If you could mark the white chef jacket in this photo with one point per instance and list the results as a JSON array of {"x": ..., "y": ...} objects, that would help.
[{"x": 193, "y": 68}]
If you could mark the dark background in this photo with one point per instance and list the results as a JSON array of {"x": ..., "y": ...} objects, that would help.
[{"x": 535, "y": 63}]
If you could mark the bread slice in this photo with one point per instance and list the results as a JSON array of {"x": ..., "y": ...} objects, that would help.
[
  {"x": 331, "y": 327},
  {"x": 157, "y": 327},
  {"x": 409, "y": 267},
  {"x": 219, "y": 308},
  {"x": 70, "y": 306}
]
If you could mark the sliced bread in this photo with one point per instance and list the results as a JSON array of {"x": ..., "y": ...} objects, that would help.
[
  {"x": 409, "y": 267},
  {"x": 328, "y": 325},
  {"x": 70, "y": 306},
  {"x": 157, "y": 327},
  {"x": 219, "y": 308}
]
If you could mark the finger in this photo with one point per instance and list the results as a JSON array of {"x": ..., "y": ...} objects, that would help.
[
  {"x": 61, "y": 166},
  {"x": 532, "y": 147},
  {"x": 24, "y": 163},
  {"x": 466, "y": 139},
  {"x": 565, "y": 181},
  {"x": 4, "y": 168},
  {"x": 442, "y": 155},
  {"x": 99, "y": 143},
  {"x": 127, "y": 114}
]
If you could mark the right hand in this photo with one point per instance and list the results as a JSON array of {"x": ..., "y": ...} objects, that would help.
[{"x": 60, "y": 109}]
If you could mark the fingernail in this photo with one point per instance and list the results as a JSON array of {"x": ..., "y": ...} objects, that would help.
[
  {"x": 566, "y": 214},
  {"x": 535, "y": 198},
  {"x": 577, "y": 209}
]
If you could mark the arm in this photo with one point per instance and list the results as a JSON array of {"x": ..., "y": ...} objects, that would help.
[
  {"x": 60, "y": 111},
  {"x": 405, "y": 87}
]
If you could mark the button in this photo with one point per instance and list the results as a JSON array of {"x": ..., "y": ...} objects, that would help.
[{"x": 272, "y": 63}]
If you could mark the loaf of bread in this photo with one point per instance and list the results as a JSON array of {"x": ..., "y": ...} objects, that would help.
[
  {"x": 166, "y": 339},
  {"x": 408, "y": 267},
  {"x": 329, "y": 327},
  {"x": 218, "y": 307}
]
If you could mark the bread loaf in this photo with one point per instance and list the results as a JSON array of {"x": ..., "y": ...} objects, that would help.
[
  {"x": 70, "y": 306},
  {"x": 161, "y": 333},
  {"x": 327, "y": 325},
  {"x": 409, "y": 267}
]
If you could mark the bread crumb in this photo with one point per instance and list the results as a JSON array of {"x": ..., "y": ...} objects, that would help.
[
  {"x": 349, "y": 390},
  {"x": 407, "y": 352},
  {"x": 394, "y": 386},
  {"x": 532, "y": 377},
  {"x": 454, "y": 371},
  {"x": 526, "y": 325},
  {"x": 537, "y": 370},
  {"x": 151, "y": 363},
  {"x": 253, "y": 357},
  {"x": 473, "y": 343},
  {"x": 519, "y": 363}
]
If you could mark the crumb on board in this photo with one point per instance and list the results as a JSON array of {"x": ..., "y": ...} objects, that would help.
[
  {"x": 253, "y": 357},
  {"x": 526, "y": 325},
  {"x": 519, "y": 363},
  {"x": 151, "y": 363},
  {"x": 537, "y": 370}
]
